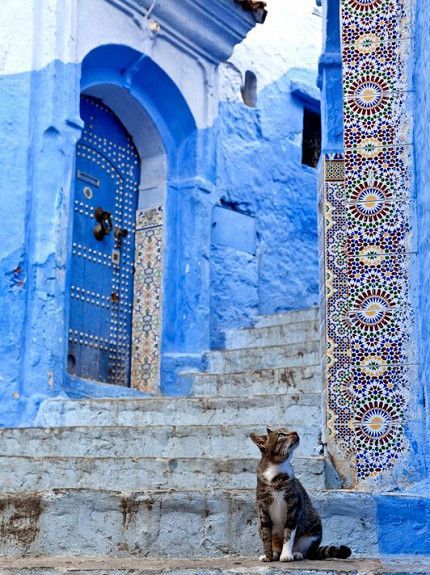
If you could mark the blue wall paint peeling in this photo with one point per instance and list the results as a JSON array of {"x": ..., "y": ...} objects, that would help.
[{"x": 35, "y": 144}]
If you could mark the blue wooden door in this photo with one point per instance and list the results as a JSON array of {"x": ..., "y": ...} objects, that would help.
[{"x": 101, "y": 291}]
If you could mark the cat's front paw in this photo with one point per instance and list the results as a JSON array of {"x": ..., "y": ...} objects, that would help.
[
  {"x": 286, "y": 557},
  {"x": 298, "y": 556},
  {"x": 265, "y": 559}
]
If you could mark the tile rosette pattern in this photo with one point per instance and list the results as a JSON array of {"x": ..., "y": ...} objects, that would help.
[
  {"x": 367, "y": 203},
  {"x": 147, "y": 301}
]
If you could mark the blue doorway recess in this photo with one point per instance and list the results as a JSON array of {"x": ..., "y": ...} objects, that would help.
[{"x": 107, "y": 175}]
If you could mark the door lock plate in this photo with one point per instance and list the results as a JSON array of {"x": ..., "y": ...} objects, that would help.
[{"x": 116, "y": 257}]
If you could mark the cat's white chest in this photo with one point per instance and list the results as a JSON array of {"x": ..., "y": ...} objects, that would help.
[
  {"x": 278, "y": 511},
  {"x": 275, "y": 469},
  {"x": 278, "y": 507}
]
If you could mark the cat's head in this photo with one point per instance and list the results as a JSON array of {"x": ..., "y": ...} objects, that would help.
[{"x": 278, "y": 445}]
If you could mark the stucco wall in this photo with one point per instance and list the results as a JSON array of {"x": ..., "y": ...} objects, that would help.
[
  {"x": 41, "y": 76},
  {"x": 248, "y": 158},
  {"x": 422, "y": 170},
  {"x": 259, "y": 171}
]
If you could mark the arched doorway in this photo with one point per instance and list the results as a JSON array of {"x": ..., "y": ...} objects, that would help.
[
  {"x": 169, "y": 319},
  {"x": 107, "y": 175}
]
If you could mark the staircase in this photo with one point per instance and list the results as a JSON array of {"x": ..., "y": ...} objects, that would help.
[{"x": 175, "y": 477}]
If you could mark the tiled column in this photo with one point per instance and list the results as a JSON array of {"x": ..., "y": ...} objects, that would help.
[
  {"x": 369, "y": 248},
  {"x": 146, "y": 329},
  {"x": 336, "y": 358}
]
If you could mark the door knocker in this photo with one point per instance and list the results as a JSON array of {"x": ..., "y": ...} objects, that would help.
[{"x": 104, "y": 225}]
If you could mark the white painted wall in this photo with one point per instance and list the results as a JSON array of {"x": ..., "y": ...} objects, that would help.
[
  {"x": 35, "y": 33},
  {"x": 291, "y": 37}
]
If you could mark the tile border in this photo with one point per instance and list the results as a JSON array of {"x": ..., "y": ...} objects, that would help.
[{"x": 147, "y": 301}]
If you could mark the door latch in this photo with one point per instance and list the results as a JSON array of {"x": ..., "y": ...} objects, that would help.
[
  {"x": 104, "y": 223},
  {"x": 120, "y": 232}
]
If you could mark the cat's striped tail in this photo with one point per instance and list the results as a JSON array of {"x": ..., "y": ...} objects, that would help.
[{"x": 327, "y": 551}]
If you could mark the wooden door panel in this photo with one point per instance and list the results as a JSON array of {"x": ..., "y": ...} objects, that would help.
[{"x": 107, "y": 179}]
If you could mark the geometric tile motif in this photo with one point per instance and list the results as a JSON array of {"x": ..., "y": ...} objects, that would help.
[
  {"x": 146, "y": 329},
  {"x": 335, "y": 170},
  {"x": 366, "y": 203}
]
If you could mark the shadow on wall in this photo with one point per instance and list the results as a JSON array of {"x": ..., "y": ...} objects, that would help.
[{"x": 261, "y": 176}]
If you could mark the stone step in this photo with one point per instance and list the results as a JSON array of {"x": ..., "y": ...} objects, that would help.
[
  {"x": 101, "y": 565},
  {"x": 139, "y": 473},
  {"x": 259, "y": 382},
  {"x": 283, "y": 334},
  {"x": 293, "y": 409},
  {"x": 243, "y": 360},
  {"x": 218, "y": 441},
  {"x": 287, "y": 318},
  {"x": 196, "y": 523}
]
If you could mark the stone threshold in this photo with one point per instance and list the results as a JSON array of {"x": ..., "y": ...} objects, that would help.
[{"x": 213, "y": 566}]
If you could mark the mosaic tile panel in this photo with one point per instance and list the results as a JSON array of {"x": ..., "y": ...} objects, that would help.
[
  {"x": 339, "y": 408},
  {"x": 368, "y": 222},
  {"x": 146, "y": 332}
]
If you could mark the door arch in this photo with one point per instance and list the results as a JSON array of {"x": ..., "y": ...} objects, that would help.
[{"x": 106, "y": 186}]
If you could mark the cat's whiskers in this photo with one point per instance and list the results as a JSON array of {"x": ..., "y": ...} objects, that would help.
[{"x": 288, "y": 450}]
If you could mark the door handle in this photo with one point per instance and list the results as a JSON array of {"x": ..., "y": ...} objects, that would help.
[{"x": 103, "y": 227}]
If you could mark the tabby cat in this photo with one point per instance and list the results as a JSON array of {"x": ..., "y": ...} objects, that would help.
[{"x": 290, "y": 526}]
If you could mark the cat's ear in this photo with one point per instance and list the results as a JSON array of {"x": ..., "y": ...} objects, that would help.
[
  {"x": 259, "y": 440},
  {"x": 269, "y": 431}
]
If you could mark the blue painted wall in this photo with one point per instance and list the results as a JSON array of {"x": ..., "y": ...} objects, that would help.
[
  {"x": 403, "y": 524},
  {"x": 330, "y": 80},
  {"x": 249, "y": 160},
  {"x": 40, "y": 125},
  {"x": 14, "y": 191},
  {"x": 34, "y": 185},
  {"x": 259, "y": 173},
  {"x": 422, "y": 168}
]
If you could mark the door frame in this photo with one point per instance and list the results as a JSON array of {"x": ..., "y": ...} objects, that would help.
[{"x": 130, "y": 84}]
